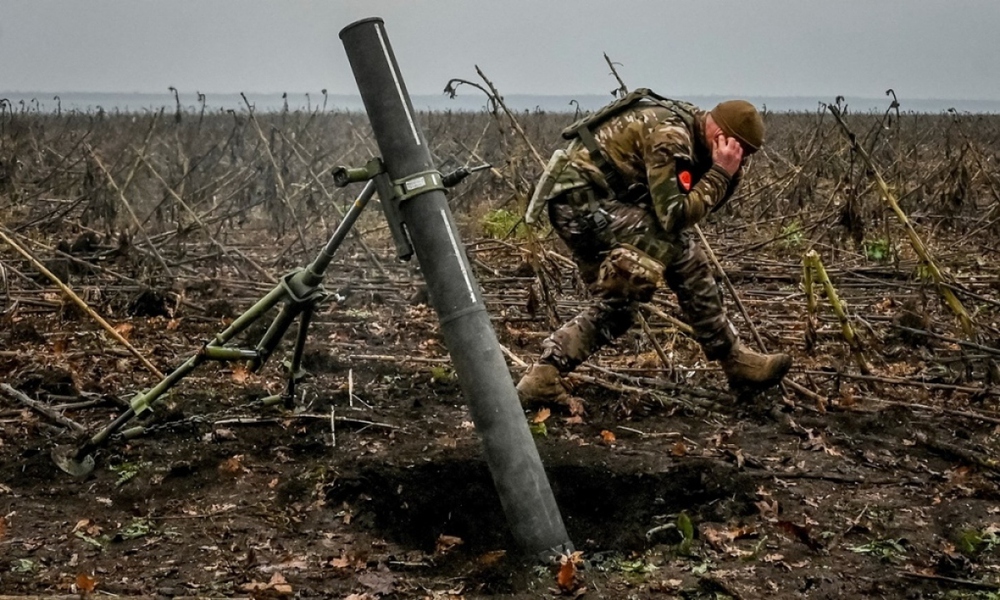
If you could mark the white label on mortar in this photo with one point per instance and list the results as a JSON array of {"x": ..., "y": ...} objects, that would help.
[{"x": 416, "y": 182}]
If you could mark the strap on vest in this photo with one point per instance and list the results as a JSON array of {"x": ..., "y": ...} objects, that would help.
[
  {"x": 611, "y": 174},
  {"x": 584, "y": 130},
  {"x": 597, "y": 214}
]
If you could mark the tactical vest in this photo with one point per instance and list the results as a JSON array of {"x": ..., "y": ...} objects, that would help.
[{"x": 584, "y": 128}]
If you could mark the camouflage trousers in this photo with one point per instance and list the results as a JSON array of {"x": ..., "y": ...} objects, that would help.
[{"x": 687, "y": 272}]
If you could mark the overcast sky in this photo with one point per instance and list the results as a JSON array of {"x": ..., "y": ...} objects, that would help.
[{"x": 921, "y": 48}]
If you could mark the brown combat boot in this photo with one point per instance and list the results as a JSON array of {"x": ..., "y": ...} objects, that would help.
[
  {"x": 748, "y": 369},
  {"x": 543, "y": 385}
]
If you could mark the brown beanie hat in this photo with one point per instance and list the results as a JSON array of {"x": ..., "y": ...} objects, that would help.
[{"x": 740, "y": 119}]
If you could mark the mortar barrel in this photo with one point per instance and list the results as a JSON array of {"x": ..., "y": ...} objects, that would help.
[{"x": 510, "y": 451}]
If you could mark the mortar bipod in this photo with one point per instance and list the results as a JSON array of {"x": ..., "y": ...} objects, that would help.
[{"x": 299, "y": 291}]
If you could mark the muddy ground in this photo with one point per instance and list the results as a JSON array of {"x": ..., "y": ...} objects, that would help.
[{"x": 882, "y": 490}]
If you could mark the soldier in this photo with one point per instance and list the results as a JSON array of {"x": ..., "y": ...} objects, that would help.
[{"x": 625, "y": 196}]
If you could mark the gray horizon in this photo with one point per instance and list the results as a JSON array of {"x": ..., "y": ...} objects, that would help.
[
  {"x": 923, "y": 49},
  {"x": 464, "y": 102}
]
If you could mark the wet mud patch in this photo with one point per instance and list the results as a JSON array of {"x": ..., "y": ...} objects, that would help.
[
  {"x": 606, "y": 505},
  {"x": 32, "y": 467},
  {"x": 414, "y": 504}
]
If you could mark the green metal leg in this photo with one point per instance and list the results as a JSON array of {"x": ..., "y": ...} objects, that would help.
[{"x": 300, "y": 291}]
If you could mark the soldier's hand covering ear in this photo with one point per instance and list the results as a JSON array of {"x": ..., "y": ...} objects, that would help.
[
  {"x": 667, "y": 152},
  {"x": 727, "y": 153}
]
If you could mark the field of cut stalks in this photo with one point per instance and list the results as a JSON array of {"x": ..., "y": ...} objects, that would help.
[{"x": 867, "y": 248}]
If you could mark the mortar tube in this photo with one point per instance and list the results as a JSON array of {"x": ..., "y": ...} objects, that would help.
[{"x": 513, "y": 459}]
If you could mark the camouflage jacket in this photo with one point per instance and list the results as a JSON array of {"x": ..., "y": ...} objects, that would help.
[{"x": 653, "y": 147}]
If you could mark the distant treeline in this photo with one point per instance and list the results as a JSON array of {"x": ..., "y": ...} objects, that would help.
[{"x": 467, "y": 100}]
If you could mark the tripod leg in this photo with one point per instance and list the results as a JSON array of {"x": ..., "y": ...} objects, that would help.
[
  {"x": 303, "y": 285},
  {"x": 258, "y": 310},
  {"x": 269, "y": 343},
  {"x": 79, "y": 462},
  {"x": 294, "y": 368},
  {"x": 299, "y": 288}
]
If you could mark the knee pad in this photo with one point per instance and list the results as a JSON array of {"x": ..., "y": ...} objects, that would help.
[{"x": 630, "y": 273}]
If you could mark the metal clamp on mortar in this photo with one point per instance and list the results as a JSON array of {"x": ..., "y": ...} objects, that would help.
[{"x": 393, "y": 193}]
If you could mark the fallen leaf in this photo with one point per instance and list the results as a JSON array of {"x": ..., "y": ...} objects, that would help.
[
  {"x": 801, "y": 533},
  {"x": 88, "y": 527},
  {"x": 3, "y": 527},
  {"x": 232, "y": 466},
  {"x": 567, "y": 576},
  {"x": 817, "y": 443},
  {"x": 608, "y": 437},
  {"x": 446, "y": 542},
  {"x": 280, "y": 585},
  {"x": 381, "y": 583},
  {"x": 719, "y": 539},
  {"x": 767, "y": 509},
  {"x": 240, "y": 374},
  {"x": 292, "y": 563},
  {"x": 715, "y": 539},
  {"x": 740, "y": 459},
  {"x": 491, "y": 558},
  {"x": 85, "y": 584},
  {"x": 738, "y": 533},
  {"x": 678, "y": 449},
  {"x": 541, "y": 415},
  {"x": 575, "y": 420},
  {"x": 124, "y": 329},
  {"x": 340, "y": 563},
  {"x": 276, "y": 583},
  {"x": 575, "y": 406},
  {"x": 254, "y": 586},
  {"x": 173, "y": 324},
  {"x": 568, "y": 571}
]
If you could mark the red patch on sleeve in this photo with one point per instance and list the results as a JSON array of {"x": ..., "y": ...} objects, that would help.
[{"x": 684, "y": 178}]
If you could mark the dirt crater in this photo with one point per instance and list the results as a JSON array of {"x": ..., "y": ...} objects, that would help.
[{"x": 605, "y": 506}]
